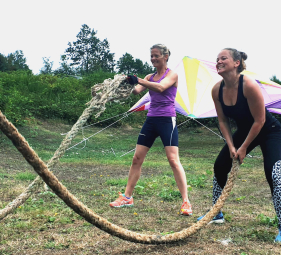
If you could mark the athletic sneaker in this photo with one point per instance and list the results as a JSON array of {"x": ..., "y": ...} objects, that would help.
[
  {"x": 278, "y": 237},
  {"x": 218, "y": 219},
  {"x": 186, "y": 208},
  {"x": 122, "y": 201}
]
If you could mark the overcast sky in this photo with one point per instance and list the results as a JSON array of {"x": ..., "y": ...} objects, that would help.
[{"x": 198, "y": 29}]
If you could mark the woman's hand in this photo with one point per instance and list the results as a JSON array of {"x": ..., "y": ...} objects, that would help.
[
  {"x": 241, "y": 154},
  {"x": 232, "y": 152},
  {"x": 132, "y": 79}
]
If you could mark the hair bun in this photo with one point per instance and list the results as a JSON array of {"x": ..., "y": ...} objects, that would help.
[{"x": 243, "y": 55}]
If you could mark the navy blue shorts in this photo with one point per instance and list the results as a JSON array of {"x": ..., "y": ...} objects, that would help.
[{"x": 165, "y": 127}]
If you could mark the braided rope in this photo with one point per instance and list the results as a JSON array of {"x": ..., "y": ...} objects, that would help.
[
  {"x": 110, "y": 89},
  {"x": 41, "y": 168},
  {"x": 107, "y": 91}
]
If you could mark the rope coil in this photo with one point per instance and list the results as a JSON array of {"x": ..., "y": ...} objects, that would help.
[
  {"x": 107, "y": 90},
  {"x": 61, "y": 191},
  {"x": 115, "y": 89}
]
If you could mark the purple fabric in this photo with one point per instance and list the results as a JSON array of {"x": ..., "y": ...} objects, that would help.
[
  {"x": 274, "y": 110},
  {"x": 276, "y": 104},
  {"x": 162, "y": 104},
  {"x": 179, "y": 109},
  {"x": 266, "y": 97}
]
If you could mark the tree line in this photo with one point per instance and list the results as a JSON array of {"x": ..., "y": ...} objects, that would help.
[
  {"x": 13, "y": 61},
  {"x": 58, "y": 93},
  {"x": 86, "y": 55}
]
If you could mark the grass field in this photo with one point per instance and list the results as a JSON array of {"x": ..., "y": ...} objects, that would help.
[{"x": 94, "y": 172}]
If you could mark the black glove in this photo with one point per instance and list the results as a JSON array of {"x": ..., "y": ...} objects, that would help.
[{"x": 132, "y": 79}]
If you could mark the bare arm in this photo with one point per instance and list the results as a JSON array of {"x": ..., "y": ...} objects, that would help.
[
  {"x": 223, "y": 121},
  {"x": 139, "y": 88},
  {"x": 170, "y": 80}
]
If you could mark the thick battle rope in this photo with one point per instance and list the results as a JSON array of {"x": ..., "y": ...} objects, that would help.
[
  {"x": 110, "y": 89},
  {"x": 41, "y": 168}
]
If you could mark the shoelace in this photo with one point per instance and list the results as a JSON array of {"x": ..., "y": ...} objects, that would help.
[
  {"x": 186, "y": 204},
  {"x": 120, "y": 198}
]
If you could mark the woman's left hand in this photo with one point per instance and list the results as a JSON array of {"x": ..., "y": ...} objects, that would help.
[
  {"x": 241, "y": 154},
  {"x": 132, "y": 79}
]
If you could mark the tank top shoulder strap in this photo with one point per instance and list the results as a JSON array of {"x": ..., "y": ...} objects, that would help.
[
  {"x": 151, "y": 77},
  {"x": 163, "y": 76},
  {"x": 220, "y": 92},
  {"x": 240, "y": 87}
]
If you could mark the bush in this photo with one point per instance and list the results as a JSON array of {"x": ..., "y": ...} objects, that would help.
[{"x": 24, "y": 96}]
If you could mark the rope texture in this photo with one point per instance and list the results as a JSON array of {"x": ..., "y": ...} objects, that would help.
[
  {"x": 110, "y": 89},
  {"x": 50, "y": 179},
  {"x": 41, "y": 168}
]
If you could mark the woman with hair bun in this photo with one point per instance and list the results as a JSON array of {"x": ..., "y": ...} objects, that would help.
[
  {"x": 240, "y": 98},
  {"x": 161, "y": 121}
]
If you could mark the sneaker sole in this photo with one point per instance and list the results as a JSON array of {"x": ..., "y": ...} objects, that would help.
[
  {"x": 186, "y": 214},
  {"x": 125, "y": 205},
  {"x": 220, "y": 221}
]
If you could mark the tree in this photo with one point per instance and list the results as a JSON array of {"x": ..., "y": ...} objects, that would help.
[
  {"x": 64, "y": 68},
  {"x": 128, "y": 65},
  {"x": 48, "y": 65},
  {"x": 3, "y": 63},
  {"x": 12, "y": 62},
  {"x": 274, "y": 78},
  {"x": 89, "y": 53},
  {"x": 148, "y": 68}
]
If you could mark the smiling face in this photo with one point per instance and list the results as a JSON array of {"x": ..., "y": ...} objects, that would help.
[
  {"x": 225, "y": 62},
  {"x": 157, "y": 59}
]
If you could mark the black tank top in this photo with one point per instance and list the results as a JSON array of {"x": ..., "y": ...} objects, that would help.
[{"x": 240, "y": 112}]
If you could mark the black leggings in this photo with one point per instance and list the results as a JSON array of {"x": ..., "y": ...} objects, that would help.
[{"x": 269, "y": 139}]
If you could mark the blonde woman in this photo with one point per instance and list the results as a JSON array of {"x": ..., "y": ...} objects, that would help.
[{"x": 161, "y": 121}]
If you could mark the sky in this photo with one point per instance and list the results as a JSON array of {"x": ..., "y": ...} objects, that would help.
[{"x": 198, "y": 29}]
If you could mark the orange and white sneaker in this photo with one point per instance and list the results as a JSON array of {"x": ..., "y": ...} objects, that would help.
[
  {"x": 186, "y": 208},
  {"x": 122, "y": 201}
]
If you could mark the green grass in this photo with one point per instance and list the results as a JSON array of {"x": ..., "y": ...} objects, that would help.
[
  {"x": 265, "y": 220},
  {"x": 26, "y": 176},
  {"x": 94, "y": 172}
]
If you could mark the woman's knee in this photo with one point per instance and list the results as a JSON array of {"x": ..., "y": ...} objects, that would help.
[
  {"x": 137, "y": 160},
  {"x": 174, "y": 163},
  {"x": 222, "y": 165},
  {"x": 221, "y": 170}
]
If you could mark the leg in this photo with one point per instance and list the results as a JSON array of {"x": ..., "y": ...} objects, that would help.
[
  {"x": 271, "y": 149},
  {"x": 223, "y": 163},
  {"x": 135, "y": 170},
  {"x": 172, "y": 153},
  {"x": 146, "y": 138},
  {"x": 222, "y": 167},
  {"x": 168, "y": 132},
  {"x": 276, "y": 195}
]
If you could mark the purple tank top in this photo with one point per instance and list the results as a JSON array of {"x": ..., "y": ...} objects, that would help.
[{"x": 162, "y": 104}]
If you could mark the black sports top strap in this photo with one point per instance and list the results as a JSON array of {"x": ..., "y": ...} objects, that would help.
[{"x": 239, "y": 112}]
